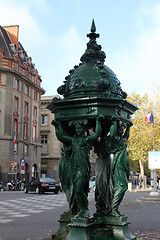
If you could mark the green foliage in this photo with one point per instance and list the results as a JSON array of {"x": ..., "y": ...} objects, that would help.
[{"x": 141, "y": 133}]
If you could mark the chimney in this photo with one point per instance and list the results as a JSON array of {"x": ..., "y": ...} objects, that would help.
[{"x": 13, "y": 32}]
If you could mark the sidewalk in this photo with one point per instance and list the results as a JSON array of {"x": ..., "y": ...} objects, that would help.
[
  {"x": 135, "y": 188},
  {"x": 144, "y": 216}
]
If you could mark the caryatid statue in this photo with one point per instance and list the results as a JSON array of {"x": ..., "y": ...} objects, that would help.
[
  {"x": 91, "y": 90},
  {"x": 79, "y": 165},
  {"x": 120, "y": 170}
]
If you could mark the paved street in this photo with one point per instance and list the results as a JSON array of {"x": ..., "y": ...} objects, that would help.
[
  {"x": 24, "y": 207},
  {"x": 29, "y": 216},
  {"x": 144, "y": 216},
  {"x": 34, "y": 217}
]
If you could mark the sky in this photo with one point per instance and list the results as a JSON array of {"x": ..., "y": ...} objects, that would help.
[{"x": 54, "y": 35}]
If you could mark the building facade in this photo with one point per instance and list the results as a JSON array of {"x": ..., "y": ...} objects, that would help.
[
  {"x": 51, "y": 147},
  {"x": 20, "y": 94}
]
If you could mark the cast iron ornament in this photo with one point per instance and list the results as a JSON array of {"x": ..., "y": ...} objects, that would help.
[
  {"x": 93, "y": 111},
  {"x": 91, "y": 77}
]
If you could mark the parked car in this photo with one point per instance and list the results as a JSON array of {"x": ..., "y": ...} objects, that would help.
[{"x": 42, "y": 185}]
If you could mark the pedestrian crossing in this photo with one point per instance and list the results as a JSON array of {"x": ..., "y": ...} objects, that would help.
[
  {"x": 24, "y": 207},
  {"x": 10, "y": 209}
]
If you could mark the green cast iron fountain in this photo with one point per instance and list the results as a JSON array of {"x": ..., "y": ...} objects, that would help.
[{"x": 93, "y": 112}]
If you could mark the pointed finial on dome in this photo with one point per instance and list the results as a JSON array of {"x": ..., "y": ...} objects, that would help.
[
  {"x": 93, "y": 35},
  {"x": 93, "y": 27}
]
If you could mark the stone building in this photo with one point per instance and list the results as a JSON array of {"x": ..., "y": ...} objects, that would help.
[
  {"x": 20, "y": 94},
  {"x": 51, "y": 147}
]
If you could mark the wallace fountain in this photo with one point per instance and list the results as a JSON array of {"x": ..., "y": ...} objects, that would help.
[{"x": 93, "y": 114}]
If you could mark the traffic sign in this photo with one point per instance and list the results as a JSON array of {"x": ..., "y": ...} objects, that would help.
[
  {"x": 22, "y": 162},
  {"x": 22, "y": 169}
]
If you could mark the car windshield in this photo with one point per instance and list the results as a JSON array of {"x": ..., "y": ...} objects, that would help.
[{"x": 46, "y": 180}]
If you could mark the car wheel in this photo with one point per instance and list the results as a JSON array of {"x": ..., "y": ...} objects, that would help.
[
  {"x": 25, "y": 190},
  {"x": 38, "y": 190},
  {"x": 56, "y": 192}
]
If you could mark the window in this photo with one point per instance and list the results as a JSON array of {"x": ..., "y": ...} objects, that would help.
[
  {"x": 35, "y": 95},
  {"x": 22, "y": 54},
  {"x": 27, "y": 90},
  {"x": 17, "y": 66},
  {"x": 34, "y": 133},
  {"x": 44, "y": 141},
  {"x": 25, "y": 130},
  {"x": 25, "y": 149},
  {"x": 15, "y": 133},
  {"x": 26, "y": 107},
  {"x": 15, "y": 128},
  {"x": 17, "y": 84},
  {"x": 16, "y": 103},
  {"x": 26, "y": 74},
  {"x": 35, "y": 112},
  {"x": 44, "y": 120},
  {"x": 35, "y": 151}
]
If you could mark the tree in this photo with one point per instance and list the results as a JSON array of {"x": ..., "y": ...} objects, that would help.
[{"x": 143, "y": 137}]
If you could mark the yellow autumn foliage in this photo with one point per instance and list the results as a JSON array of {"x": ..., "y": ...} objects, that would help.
[{"x": 144, "y": 137}]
